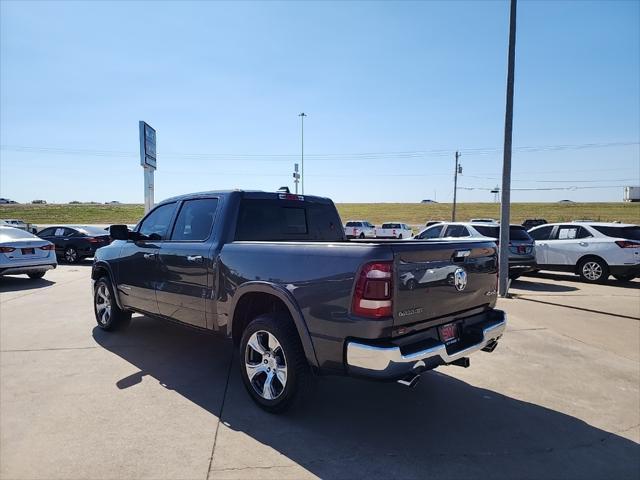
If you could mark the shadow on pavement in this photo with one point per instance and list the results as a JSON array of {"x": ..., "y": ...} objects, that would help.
[
  {"x": 351, "y": 428},
  {"x": 533, "y": 286},
  {"x": 17, "y": 283},
  {"x": 565, "y": 277}
]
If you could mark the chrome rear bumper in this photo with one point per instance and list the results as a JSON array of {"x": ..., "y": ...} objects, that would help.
[{"x": 389, "y": 362}]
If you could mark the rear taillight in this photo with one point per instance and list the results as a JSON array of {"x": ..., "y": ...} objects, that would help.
[
  {"x": 374, "y": 291},
  {"x": 93, "y": 240},
  {"x": 6, "y": 249},
  {"x": 627, "y": 244},
  {"x": 51, "y": 246}
]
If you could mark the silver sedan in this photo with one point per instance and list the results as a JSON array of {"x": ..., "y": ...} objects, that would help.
[{"x": 24, "y": 253}]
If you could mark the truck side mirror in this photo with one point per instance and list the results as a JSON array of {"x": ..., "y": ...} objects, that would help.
[{"x": 119, "y": 232}]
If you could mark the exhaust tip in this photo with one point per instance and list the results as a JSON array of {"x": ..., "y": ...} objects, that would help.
[
  {"x": 410, "y": 380},
  {"x": 463, "y": 362},
  {"x": 490, "y": 347}
]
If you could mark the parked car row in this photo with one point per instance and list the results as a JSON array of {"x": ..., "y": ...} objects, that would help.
[
  {"x": 364, "y": 229},
  {"x": 592, "y": 250}
]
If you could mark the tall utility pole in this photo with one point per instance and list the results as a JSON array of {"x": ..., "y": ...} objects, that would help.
[
  {"x": 503, "y": 283},
  {"x": 455, "y": 188},
  {"x": 302, "y": 115}
]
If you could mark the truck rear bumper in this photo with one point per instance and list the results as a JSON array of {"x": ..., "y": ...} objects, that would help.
[{"x": 390, "y": 362}]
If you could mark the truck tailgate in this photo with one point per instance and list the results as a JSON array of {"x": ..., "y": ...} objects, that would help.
[{"x": 440, "y": 278}]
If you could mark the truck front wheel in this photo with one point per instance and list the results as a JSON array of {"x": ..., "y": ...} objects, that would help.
[
  {"x": 273, "y": 366},
  {"x": 108, "y": 315}
]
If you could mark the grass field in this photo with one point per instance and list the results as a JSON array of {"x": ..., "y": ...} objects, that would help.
[{"x": 411, "y": 213}]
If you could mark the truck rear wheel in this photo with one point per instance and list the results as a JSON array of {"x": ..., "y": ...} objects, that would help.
[{"x": 273, "y": 366}]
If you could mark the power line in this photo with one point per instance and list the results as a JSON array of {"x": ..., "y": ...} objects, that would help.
[
  {"x": 547, "y": 188},
  {"x": 318, "y": 156}
]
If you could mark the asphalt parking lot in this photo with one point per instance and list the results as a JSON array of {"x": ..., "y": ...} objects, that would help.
[{"x": 559, "y": 398}]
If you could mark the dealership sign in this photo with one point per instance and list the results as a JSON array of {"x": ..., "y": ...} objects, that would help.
[{"x": 147, "y": 145}]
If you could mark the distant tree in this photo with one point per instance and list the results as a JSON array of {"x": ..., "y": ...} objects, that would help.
[
  {"x": 39, "y": 202},
  {"x": 74, "y": 202}
]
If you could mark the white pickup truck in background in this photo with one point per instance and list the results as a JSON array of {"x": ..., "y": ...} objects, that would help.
[
  {"x": 359, "y": 229},
  {"x": 394, "y": 230}
]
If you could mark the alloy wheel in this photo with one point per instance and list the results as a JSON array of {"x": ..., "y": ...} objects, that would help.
[
  {"x": 266, "y": 365},
  {"x": 70, "y": 255},
  {"x": 592, "y": 270},
  {"x": 103, "y": 304}
]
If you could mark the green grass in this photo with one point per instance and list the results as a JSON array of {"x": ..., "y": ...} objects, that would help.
[
  {"x": 418, "y": 214},
  {"x": 411, "y": 213},
  {"x": 70, "y": 214}
]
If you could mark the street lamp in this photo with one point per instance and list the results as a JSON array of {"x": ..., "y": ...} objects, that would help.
[{"x": 302, "y": 115}]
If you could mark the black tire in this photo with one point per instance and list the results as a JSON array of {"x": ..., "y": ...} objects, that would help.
[
  {"x": 399, "y": 236},
  {"x": 289, "y": 353},
  {"x": 36, "y": 275},
  {"x": 115, "y": 318},
  {"x": 71, "y": 255},
  {"x": 412, "y": 284},
  {"x": 593, "y": 270},
  {"x": 361, "y": 235},
  {"x": 624, "y": 278}
]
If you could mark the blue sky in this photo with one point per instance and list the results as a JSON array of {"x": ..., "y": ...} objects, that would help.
[{"x": 392, "y": 89}]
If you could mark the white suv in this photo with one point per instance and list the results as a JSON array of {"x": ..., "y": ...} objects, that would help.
[
  {"x": 359, "y": 229},
  {"x": 592, "y": 250}
]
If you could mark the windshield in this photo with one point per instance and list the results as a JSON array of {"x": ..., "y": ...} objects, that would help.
[{"x": 631, "y": 233}]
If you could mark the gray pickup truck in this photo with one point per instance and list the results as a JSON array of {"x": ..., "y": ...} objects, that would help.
[{"x": 274, "y": 272}]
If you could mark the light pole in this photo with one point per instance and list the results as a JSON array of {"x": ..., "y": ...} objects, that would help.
[
  {"x": 302, "y": 115},
  {"x": 503, "y": 283}
]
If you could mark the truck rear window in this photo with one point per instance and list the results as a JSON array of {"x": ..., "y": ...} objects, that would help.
[{"x": 284, "y": 220}]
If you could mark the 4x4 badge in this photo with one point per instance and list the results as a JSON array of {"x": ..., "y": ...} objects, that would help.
[{"x": 460, "y": 279}]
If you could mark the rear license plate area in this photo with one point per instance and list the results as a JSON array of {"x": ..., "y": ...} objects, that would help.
[
  {"x": 449, "y": 333},
  {"x": 28, "y": 251}
]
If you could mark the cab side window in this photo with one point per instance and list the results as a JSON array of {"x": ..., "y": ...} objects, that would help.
[
  {"x": 157, "y": 223},
  {"x": 195, "y": 220}
]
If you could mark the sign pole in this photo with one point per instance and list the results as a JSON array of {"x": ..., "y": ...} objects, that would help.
[{"x": 148, "y": 161}]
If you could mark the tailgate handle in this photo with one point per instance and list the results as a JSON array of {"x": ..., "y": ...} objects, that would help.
[{"x": 460, "y": 255}]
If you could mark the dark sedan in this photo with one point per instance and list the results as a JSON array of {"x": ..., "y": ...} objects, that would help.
[{"x": 74, "y": 242}]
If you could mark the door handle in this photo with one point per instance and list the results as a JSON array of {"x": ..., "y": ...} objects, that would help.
[
  {"x": 149, "y": 256},
  {"x": 194, "y": 258}
]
